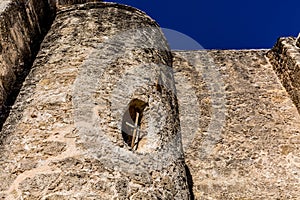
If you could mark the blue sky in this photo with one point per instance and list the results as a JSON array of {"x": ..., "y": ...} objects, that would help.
[{"x": 226, "y": 24}]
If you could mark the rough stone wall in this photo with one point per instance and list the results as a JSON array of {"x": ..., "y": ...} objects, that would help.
[
  {"x": 285, "y": 58},
  {"x": 245, "y": 143},
  {"x": 23, "y": 25},
  {"x": 63, "y": 138},
  {"x": 65, "y": 135}
]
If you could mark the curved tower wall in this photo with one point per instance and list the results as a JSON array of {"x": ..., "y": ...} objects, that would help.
[{"x": 69, "y": 132}]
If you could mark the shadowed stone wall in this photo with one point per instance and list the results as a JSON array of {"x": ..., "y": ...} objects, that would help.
[{"x": 23, "y": 25}]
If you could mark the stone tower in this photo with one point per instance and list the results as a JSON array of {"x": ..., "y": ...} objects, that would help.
[
  {"x": 101, "y": 115},
  {"x": 94, "y": 105}
]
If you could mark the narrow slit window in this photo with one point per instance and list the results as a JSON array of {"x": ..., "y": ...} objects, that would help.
[{"x": 131, "y": 124}]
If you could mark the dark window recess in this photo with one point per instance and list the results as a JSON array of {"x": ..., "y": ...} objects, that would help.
[{"x": 131, "y": 123}]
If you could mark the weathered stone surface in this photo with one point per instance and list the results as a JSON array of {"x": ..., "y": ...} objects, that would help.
[
  {"x": 61, "y": 4},
  {"x": 4, "y": 4},
  {"x": 23, "y": 25},
  {"x": 249, "y": 153},
  {"x": 285, "y": 58},
  {"x": 69, "y": 119},
  {"x": 100, "y": 65}
]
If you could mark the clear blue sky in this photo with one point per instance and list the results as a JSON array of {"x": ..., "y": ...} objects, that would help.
[{"x": 226, "y": 24}]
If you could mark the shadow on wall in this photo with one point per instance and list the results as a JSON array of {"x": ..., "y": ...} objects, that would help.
[
  {"x": 28, "y": 24},
  {"x": 190, "y": 181}
]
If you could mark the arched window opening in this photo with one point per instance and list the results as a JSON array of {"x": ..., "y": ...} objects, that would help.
[{"x": 131, "y": 123}]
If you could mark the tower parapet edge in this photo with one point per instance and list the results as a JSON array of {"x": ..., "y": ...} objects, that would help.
[
  {"x": 298, "y": 41},
  {"x": 59, "y": 4}
]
